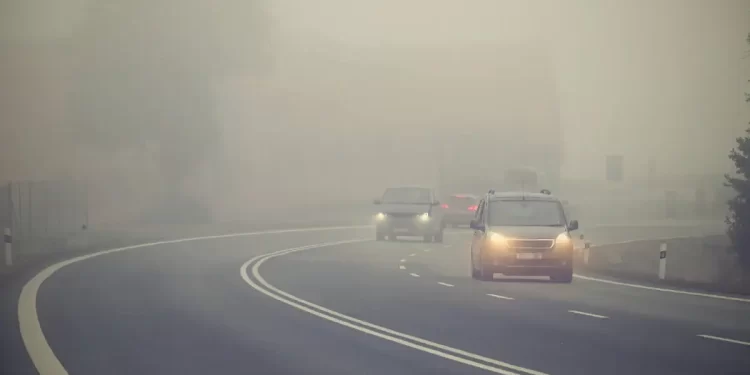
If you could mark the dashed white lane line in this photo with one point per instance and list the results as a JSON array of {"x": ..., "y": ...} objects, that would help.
[
  {"x": 403, "y": 260},
  {"x": 446, "y": 284},
  {"x": 588, "y": 314},
  {"x": 501, "y": 297},
  {"x": 426, "y": 250},
  {"x": 401, "y": 267},
  {"x": 725, "y": 340},
  {"x": 412, "y": 254},
  {"x": 414, "y": 275}
]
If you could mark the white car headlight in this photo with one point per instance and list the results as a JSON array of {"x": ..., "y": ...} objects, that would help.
[
  {"x": 563, "y": 239},
  {"x": 498, "y": 239},
  {"x": 380, "y": 216},
  {"x": 424, "y": 217}
]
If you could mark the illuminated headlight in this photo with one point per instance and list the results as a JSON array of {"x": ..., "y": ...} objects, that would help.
[
  {"x": 380, "y": 216},
  {"x": 562, "y": 240},
  {"x": 498, "y": 240},
  {"x": 424, "y": 217}
]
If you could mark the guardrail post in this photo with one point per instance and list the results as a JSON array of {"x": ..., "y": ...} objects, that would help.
[
  {"x": 8, "y": 239},
  {"x": 586, "y": 252},
  {"x": 663, "y": 261}
]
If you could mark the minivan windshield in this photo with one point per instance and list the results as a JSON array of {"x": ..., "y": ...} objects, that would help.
[
  {"x": 526, "y": 213},
  {"x": 407, "y": 195}
]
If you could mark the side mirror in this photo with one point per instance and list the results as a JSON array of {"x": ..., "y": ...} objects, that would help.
[
  {"x": 573, "y": 225},
  {"x": 436, "y": 202},
  {"x": 377, "y": 201},
  {"x": 476, "y": 225}
]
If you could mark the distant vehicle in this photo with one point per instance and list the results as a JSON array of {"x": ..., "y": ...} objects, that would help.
[
  {"x": 460, "y": 209},
  {"x": 409, "y": 211},
  {"x": 522, "y": 234}
]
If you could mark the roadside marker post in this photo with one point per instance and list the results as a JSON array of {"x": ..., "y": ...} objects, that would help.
[
  {"x": 663, "y": 261},
  {"x": 586, "y": 252},
  {"x": 8, "y": 239}
]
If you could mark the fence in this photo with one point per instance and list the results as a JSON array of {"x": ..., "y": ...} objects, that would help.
[{"x": 42, "y": 214}]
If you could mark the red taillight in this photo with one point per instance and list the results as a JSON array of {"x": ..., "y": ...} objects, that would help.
[
  {"x": 473, "y": 208},
  {"x": 444, "y": 205}
]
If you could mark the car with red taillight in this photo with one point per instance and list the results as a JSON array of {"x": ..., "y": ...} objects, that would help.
[{"x": 459, "y": 209}]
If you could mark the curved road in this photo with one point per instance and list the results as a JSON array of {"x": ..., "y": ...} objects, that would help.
[{"x": 334, "y": 302}]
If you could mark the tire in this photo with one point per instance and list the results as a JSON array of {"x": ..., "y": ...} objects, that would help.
[
  {"x": 474, "y": 271},
  {"x": 484, "y": 273},
  {"x": 427, "y": 238},
  {"x": 565, "y": 277},
  {"x": 439, "y": 237},
  {"x": 379, "y": 236}
]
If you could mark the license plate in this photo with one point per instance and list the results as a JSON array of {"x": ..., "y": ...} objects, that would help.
[{"x": 529, "y": 256}]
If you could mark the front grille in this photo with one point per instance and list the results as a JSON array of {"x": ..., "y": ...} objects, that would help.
[
  {"x": 403, "y": 215},
  {"x": 530, "y": 244}
]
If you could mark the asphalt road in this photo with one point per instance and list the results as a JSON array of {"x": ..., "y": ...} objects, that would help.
[{"x": 246, "y": 305}]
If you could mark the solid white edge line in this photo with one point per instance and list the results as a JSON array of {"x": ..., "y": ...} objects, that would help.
[
  {"x": 401, "y": 267},
  {"x": 414, "y": 275},
  {"x": 501, "y": 297},
  {"x": 446, "y": 284},
  {"x": 588, "y": 314},
  {"x": 321, "y": 311},
  {"x": 725, "y": 339},
  {"x": 41, "y": 354},
  {"x": 667, "y": 290}
]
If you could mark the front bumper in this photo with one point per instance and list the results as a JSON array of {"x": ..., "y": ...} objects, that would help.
[
  {"x": 407, "y": 226},
  {"x": 508, "y": 263}
]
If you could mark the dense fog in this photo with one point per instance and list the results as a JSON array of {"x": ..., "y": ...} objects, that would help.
[{"x": 223, "y": 110}]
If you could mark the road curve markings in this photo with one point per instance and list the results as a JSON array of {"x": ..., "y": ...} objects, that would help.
[
  {"x": 39, "y": 350},
  {"x": 717, "y": 338},
  {"x": 667, "y": 290},
  {"x": 257, "y": 282}
]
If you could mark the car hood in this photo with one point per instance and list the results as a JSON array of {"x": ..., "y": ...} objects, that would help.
[
  {"x": 395, "y": 208},
  {"x": 528, "y": 231}
]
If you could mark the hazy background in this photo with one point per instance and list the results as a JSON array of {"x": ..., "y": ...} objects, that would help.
[{"x": 246, "y": 106}]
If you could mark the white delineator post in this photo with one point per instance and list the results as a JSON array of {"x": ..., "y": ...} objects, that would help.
[
  {"x": 663, "y": 261},
  {"x": 586, "y": 252},
  {"x": 8, "y": 239}
]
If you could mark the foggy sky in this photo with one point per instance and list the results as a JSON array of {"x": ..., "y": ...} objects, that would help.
[{"x": 334, "y": 86}]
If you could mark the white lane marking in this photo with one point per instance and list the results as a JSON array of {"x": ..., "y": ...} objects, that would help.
[
  {"x": 414, "y": 275},
  {"x": 412, "y": 254},
  {"x": 501, "y": 297},
  {"x": 725, "y": 340},
  {"x": 446, "y": 284},
  {"x": 40, "y": 352},
  {"x": 401, "y": 267},
  {"x": 403, "y": 260},
  {"x": 367, "y": 327},
  {"x": 676, "y": 291},
  {"x": 426, "y": 250},
  {"x": 588, "y": 314}
]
